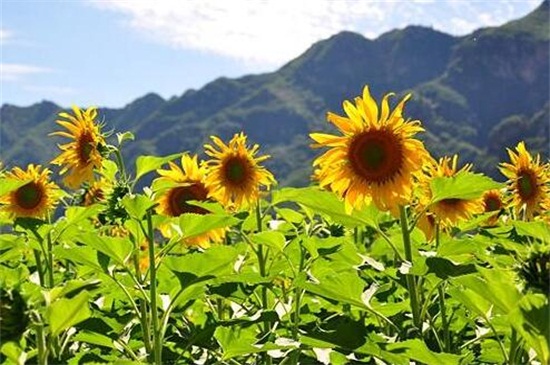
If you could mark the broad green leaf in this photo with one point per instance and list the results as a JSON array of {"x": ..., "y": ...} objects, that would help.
[
  {"x": 327, "y": 203},
  {"x": 471, "y": 300},
  {"x": 237, "y": 341},
  {"x": 531, "y": 318},
  {"x": 495, "y": 286},
  {"x": 94, "y": 338},
  {"x": 417, "y": 350},
  {"x": 290, "y": 215},
  {"x": 13, "y": 352},
  {"x": 7, "y": 185},
  {"x": 539, "y": 230},
  {"x": 196, "y": 224},
  {"x": 444, "y": 268},
  {"x": 82, "y": 255},
  {"x": 118, "y": 249},
  {"x": 137, "y": 205},
  {"x": 217, "y": 261},
  {"x": 272, "y": 239},
  {"x": 65, "y": 313},
  {"x": 464, "y": 185},
  {"x": 146, "y": 164},
  {"x": 73, "y": 287}
]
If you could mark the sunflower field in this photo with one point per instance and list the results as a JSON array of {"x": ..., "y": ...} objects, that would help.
[{"x": 390, "y": 256}]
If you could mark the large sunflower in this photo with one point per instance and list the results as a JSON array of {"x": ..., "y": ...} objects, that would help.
[
  {"x": 184, "y": 185},
  {"x": 528, "y": 181},
  {"x": 34, "y": 199},
  {"x": 376, "y": 156},
  {"x": 235, "y": 175},
  {"x": 82, "y": 155},
  {"x": 449, "y": 211}
]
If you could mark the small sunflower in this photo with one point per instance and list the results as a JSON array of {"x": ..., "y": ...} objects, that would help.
[
  {"x": 449, "y": 211},
  {"x": 186, "y": 184},
  {"x": 492, "y": 202},
  {"x": 235, "y": 176},
  {"x": 375, "y": 158},
  {"x": 34, "y": 199},
  {"x": 81, "y": 156},
  {"x": 97, "y": 192},
  {"x": 528, "y": 180}
]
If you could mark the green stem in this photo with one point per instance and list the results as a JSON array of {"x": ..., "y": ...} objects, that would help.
[
  {"x": 120, "y": 163},
  {"x": 445, "y": 324},
  {"x": 262, "y": 262},
  {"x": 411, "y": 285},
  {"x": 513, "y": 347},
  {"x": 41, "y": 344},
  {"x": 157, "y": 348},
  {"x": 50, "y": 261},
  {"x": 39, "y": 267}
]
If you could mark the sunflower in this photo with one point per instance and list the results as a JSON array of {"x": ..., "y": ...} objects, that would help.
[
  {"x": 528, "y": 181},
  {"x": 492, "y": 202},
  {"x": 82, "y": 155},
  {"x": 449, "y": 211},
  {"x": 374, "y": 158},
  {"x": 35, "y": 198},
  {"x": 97, "y": 192},
  {"x": 235, "y": 176},
  {"x": 185, "y": 184}
]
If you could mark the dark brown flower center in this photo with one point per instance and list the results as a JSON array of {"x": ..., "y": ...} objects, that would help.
[
  {"x": 236, "y": 170},
  {"x": 29, "y": 196},
  {"x": 85, "y": 147},
  {"x": 178, "y": 199},
  {"x": 451, "y": 202},
  {"x": 377, "y": 156},
  {"x": 492, "y": 203},
  {"x": 527, "y": 184}
]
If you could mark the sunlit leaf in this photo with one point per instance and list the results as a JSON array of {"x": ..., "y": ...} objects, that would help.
[
  {"x": 464, "y": 185},
  {"x": 146, "y": 164},
  {"x": 137, "y": 205},
  {"x": 272, "y": 239},
  {"x": 65, "y": 313}
]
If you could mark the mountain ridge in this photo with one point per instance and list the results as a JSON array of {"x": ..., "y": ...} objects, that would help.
[{"x": 465, "y": 89}]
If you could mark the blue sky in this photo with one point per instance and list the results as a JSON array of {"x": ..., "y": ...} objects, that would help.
[{"x": 107, "y": 52}]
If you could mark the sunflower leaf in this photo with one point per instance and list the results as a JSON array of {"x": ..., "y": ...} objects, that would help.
[
  {"x": 65, "y": 313},
  {"x": 146, "y": 164},
  {"x": 464, "y": 185},
  {"x": 7, "y": 185}
]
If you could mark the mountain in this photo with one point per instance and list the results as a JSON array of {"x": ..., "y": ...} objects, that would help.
[{"x": 475, "y": 95}]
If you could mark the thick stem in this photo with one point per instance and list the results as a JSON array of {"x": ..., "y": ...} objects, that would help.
[
  {"x": 39, "y": 267},
  {"x": 261, "y": 262},
  {"x": 41, "y": 344},
  {"x": 157, "y": 347},
  {"x": 51, "y": 283},
  {"x": 411, "y": 284},
  {"x": 444, "y": 322}
]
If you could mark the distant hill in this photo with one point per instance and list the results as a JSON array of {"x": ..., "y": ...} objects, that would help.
[{"x": 475, "y": 94}]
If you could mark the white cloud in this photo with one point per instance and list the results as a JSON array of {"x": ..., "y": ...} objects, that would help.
[
  {"x": 271, "y": 32},
  {"x": 5, "y": 36},
  {"x": 14, "y": 71}
]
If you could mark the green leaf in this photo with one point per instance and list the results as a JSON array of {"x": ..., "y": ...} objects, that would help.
[
  {"x": 137, "y": 205},
  {"x": 418, "y": 351},
  {"x": 464, "y": 185},
  {"x": 7, "y": 185},
  {"x": 199, "y": 266},
  {"x": 118, "y": 249},
  {"x": 531, "y": 318},
  {"x": 65, "y": 313},
  {"x": 327, "y": 203},
  {"x": 444, "y": 268},
  {"x": 538, "y": 230},
  {"x": 94, "y": 338},
  {"x": 73, "y": 287},
  {"x": 193, "y": 224},
  {"x": 272, "y": 239},
  {"x": 146, "y": 164},
  {"x": 237, "y": 341},
  {"x": 126, "y": 136}
]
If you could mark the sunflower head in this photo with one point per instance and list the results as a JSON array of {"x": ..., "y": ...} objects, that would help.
[
  {"x": 374, "y": 157},
  {"x": 182, "y": 186},
  {"x": 35, "y": 198},
  {"x": 448, "y": 211},
  {"x": 82, "y": 155},
  {"x": 235, "y": 177},
  {"x": 528, "y": 181},
  {"x": 492, "y": 202}
]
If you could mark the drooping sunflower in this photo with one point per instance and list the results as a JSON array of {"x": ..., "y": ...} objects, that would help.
[
  {"x": 376, "y": 156},
  {"x": 35, "y": 198},
  {"x": 448, "y": 211},
  {"x": 81, "y": 156},
  {"x": 528, "y": 181},
  {"x": 235, "y": 177},
  {"x": 185, "y": 184}
]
